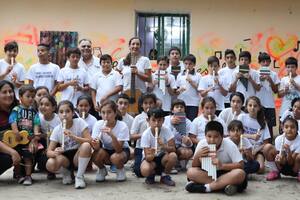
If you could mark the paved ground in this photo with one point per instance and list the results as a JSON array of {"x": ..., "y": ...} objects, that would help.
[{"x": 135, "y": 188}]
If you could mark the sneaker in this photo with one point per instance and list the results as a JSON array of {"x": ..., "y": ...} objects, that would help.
[
  {"x": 20, "y": 179},
  {"x": 230, "y": 190},
  {"x": 174, "y": 171},
  {"x": 27, "y": 180},
  {"x": 79, "y": 182},
  {"x": 273, "y": 175},
  {"x": 150, "y": 179},
  {"x": 66, "y": 177},
  {"x": 113, "y": 169},
  {"x": 121, "y": 174},
  {"x": 167, "y": 180},
  {"x": 195, "y": 187},
  {"x": 51, "y": 176},
  {"x": 100, "y": 175}
]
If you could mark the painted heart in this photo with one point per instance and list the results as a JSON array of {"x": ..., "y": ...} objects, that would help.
[{"x": 278, "y": 47}]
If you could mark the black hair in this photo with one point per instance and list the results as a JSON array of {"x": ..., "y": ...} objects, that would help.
[
  {"x": 178, "y": 102},
  {"x": 235, "y": 124},
  {"x": 113, "y": 106},
  {"x": 291, "y": 61},
  {"x": 127, "y": 60},
  {"x": 229, "y": 51},
  {"x": 214, "y": 126},
  {"x": 213, "y": 59},
  {"x": 52, "y": 101},
  {"x": 263, "y": 57},
  {"x": 66, "y": 102},
  {"x": 85, "y": 97},
  {"x": 42, "y": 88},
  {"x": 190, "y": 57},
  {"x": 294, "y": 101},
  {"x": 163, "y": 58},
  {"x": 245, "y": 54},
  {"x": 73, "y": 51},
  {"x": 148, "y": 96},
  {"x": 260, "y": 114},
  {"x": 291, "y": 119},
  {"x": 122, "y": 96},
  {"x": 105, "y": 57},
  {"x": 208, "y": 99},
  {"x": 156, "y": 113},
  {"x": 13, "y": 45},
  {"x": 174, "y": 49},
  {"x": 46, "y": 46},
  {"x": 25, "y": 88},
  {"x": 15, "y": 101},
  {"x": 238, "y": 94}
]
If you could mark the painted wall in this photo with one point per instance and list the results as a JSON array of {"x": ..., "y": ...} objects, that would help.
[{"x": 257, "y": 25}]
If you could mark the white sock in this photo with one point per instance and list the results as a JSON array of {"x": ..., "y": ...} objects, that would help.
[
  {"x": 163, "y": 174},
  {"x": 272, "y": 165},
  {"x": 82, "y": 164},
  {"x": 63, "y": 170},
  {"x": 207, "y": 188}
]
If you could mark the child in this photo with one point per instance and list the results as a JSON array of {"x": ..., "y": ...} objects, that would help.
[
  {"x": 10, "y": 69},
  {"x": 175, "y": 66},
  {"x": 69, "y": 146},
  {"x": 236, "y": 102},
  {"x": 214, "y": 85},
  {"x": 290, "y": 84},
  {"x": 41, "y": 91},
  {"x": 236, "y": 130},
  {"x": 106, "y": 84},
  {"x": 284, "y": 158},
  {"x": 181, "y": 128},
  {"x": 123, "y": 103},
  {"x": 227, "y": 159},
  {"x": 294, "y": 112},
  {"x": 24, "y": 117},
  {"x": 269, "y": 86},
  {"x": 166, "y": 91},
  {"x": 84, "y": 104},
  {"x": 139, "y": 125},
  {"x": 228, "y": 72},
  {"x": 44, "y": 73},
  {"x": 208, "y": 106},
  {"x": 247, "y": 84},
  {"x": 159, "y": 156},
  {"x": 255, "y": 128},
  {"x": 73, "y": 81},
  {"x": 113, "y": 136},
  {"x": 188, "y": 82}
]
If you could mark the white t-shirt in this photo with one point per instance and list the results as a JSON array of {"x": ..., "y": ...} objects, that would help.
[
  {"x": 139, "y": 125},
  {"x": 166, "y": 98},
  {"x": 50, "y": 125},
  {"x": 229, "y": 74},
  {"x": 103, "y": 84},
  {"x": 92, "y": 68},
  {"x": 207, "y": 82},
  {"x": 67, "y": 75},
  {"x": 43, "y": 75},
  {"x": 143, "y": 63},
  {"x": 120, "y": 130},
  {"x": 293, "y": 144},
  {"x": 128, "y": 119},
  {"x": 265, "y": 94},
  {"x": 199, "y": 124},
  {"x": 227, "y": 115},
  {"x": 293, "y": 93},
  {"x": 77, "y": 129},
  {"x": 251, "y": 126},
  {"x": 90, "y": 120},
  {"x": 177, "y": 135},
  {"x": 148, "y": 139},
  {"x": 18, "y": 69},
  {"x": 190, "y": 96},
  {"x": 227, "y": 153}
]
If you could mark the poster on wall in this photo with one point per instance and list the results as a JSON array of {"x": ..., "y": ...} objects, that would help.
[{"x": 59, "y": 42}]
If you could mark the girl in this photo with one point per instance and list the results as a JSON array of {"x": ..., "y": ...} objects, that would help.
[
  {"x": 208, "y": 105},
  {"x": 285, "y": 156},
  {"x": 255, "y": 128},
  {"x": 110, "y": 142},
  {"x": 84, "y": 104},
  {"x": 69, "y": 146},
  {"x": 41, "y": 91},
  {"x": 293, "y": 112},
  {"x": 236, "y": 102}
]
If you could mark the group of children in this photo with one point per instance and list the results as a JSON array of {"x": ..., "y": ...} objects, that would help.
[{"x": 237, "y": 116}]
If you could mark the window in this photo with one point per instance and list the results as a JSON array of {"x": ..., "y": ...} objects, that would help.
[{"x": 159, "y": 32}]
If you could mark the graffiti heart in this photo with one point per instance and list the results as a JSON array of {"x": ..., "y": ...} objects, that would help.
[{"x": 278, "y": 47}]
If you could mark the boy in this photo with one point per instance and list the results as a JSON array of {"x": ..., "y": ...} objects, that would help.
[
  {"x": 228, "y": 161},
  {"x": 123, "y": 103},
  {"x": 107, "y": 83},
  {"x": 10, "y": 69},
  {"x": 188, "y": 82},
  {"x": 72, "y": 81},
  {"x": 139, "y": 125},
  {"x": 214, "y": 85},
  {"x": 24, "y": 117},
  {"x": 248, "y": 83},
  {"x": 159, "y": 156},
  {"x": 269, "y": 85},
  {"x": 175, "y": 66},
  {"x": 44, "y": 73}
]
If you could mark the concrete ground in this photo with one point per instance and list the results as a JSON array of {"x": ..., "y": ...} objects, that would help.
[{"x": 135, "y": 188}]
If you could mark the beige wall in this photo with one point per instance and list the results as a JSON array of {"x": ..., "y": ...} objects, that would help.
[{"x": 215, "y": 24}]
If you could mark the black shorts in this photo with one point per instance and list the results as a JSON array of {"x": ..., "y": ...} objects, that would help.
[
  {"x": 23, "y": 151},
  {"x": 241, "y": 187},
  {"x": 288, "y": 171},
  {"x": 159, "y": 168},
  {"x": 270, "y": 115},
  {"x": 69, "y": 154},
  {"x": 126, "y": 150}
]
